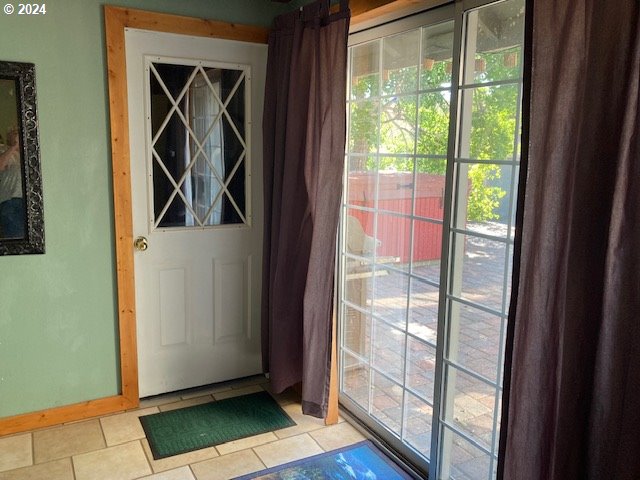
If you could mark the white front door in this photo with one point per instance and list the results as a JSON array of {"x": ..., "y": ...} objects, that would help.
[{"x": 195, "y": 113}]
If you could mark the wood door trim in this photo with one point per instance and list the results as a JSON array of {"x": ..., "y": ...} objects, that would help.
[
  {"x": 116, "y": 20},
  {"x": 376, "y": 10}
]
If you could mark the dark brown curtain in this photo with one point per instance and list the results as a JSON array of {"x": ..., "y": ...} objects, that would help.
[
  {"x": 572, "y": 379},
  {"x": 304, "y": 129}
]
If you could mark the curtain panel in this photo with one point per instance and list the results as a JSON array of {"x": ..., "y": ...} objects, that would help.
[
  {"x": 571, "y": 406},
  {"x": 304, "y": 129}
]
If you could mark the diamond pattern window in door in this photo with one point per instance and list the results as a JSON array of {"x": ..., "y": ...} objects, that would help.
[{"x": 198, "y": 123}]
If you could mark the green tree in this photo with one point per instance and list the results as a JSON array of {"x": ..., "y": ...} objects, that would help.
[
  {"x": 493, "y": 125},
  {"x": 401, "y": 112}
]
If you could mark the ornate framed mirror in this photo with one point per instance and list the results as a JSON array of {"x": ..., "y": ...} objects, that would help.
[{"x": 21, "y": 205}]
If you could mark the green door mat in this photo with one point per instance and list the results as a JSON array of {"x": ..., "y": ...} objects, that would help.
[{"x": 192, "y": 428}]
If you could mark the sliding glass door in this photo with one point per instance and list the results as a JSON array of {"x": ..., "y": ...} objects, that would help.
[{"x": 427, "y": 231}]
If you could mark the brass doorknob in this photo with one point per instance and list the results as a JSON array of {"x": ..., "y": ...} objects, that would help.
[{"x": 141, "y": 244}]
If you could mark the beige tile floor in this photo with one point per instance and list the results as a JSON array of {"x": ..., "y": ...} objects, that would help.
[{"x": 114, "y": 447}]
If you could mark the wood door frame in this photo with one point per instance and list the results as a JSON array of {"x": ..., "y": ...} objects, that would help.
[{"x": 116, "y": 20}]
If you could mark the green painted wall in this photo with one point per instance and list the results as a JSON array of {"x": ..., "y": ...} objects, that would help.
[{"x": 58, "y": 321}]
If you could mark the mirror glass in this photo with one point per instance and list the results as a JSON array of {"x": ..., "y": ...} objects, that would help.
[
  {"x": 21, "y": 206},
  {"x": 12, "y": 208}
]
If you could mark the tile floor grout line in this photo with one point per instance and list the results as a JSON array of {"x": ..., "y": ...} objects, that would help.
[
  {"x": 318, "y": 443},
  {"x": 193, "y": 474},
  {"x": 146, "y": 457},
  {"x": 104, "y": 437},
  {"x": 186, "y": 400},
  {"x": 264, "y": 465},
  {"x": 33, "y": 450},
  {"x": 73, "y": 467}
]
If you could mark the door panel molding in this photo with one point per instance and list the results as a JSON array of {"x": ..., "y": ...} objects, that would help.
[{"x": 232, "y": 320}]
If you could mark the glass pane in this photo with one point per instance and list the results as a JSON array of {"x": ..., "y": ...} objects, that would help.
[
  {"x": 398, "y": 125},
  {"x": 172, "y": 148},
  {"x": 170, "y": 153},
  {"x": 174, "y": 78},
  {"x": 358, "y": 233},
  {"x": 393, "y": 237},
  {"x": 487, "y": 130},
  {"x": 356, "y": 336},
  {"x": 493, "y": 113},
  {"x": 497, "y": 33},
  {"x": 427, "y": 249},
  {"x": 357, "y": 291},
  {"x": 387, "y": 402},
  {"x": 234, "y": 155},
  {"x": 481, "y": 270},
  {"x": 360, "y": 283},
  {"x": 363, "y": 126},
  {"x": 211, "y": 129},
  {"x": 430, "y": 189},
  {"x": 478, "y": 340},
  {"x": 233, "y": 125},
  {"x": 470, "y": 406},
  {"x": 496, "y": 440},
  {"x": 355, "y": 380},
  {"x": 417, "y": 424},
  {"x": 398, "y": 169},
  {"x": 361, "y": 180},
  {"x": 462, "y": 460},
  {"x": 433, "y": 122},
  {"x": 429, "y": 270},
  {"x": 514, "y": 203},
  {"x": 483, "y": 199},
  {"x": 423, "y": 311},
  {"x": 519, "y": 142},
  {"x": 437, "y": 50},
  {"x": 400, "y": 63},
  {"x": 175, "y": 216},
  {"x": 509, "y": 279},
  {"x": 391, "y": 289},
  {"x": 203, "y": 109},
  {"x": 365, "y": 68},
  {"x": 395, "y": 185},
  {"x": 421, "y": 368},
  {"x": 232, "y": 214},
  {"x": 388, "y": 350},
  {"x": 205, "y": 190},
  {"x": 203, "y": 137}
]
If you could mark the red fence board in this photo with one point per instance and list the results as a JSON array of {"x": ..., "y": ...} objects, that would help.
[{"x": 395, "y": 192}]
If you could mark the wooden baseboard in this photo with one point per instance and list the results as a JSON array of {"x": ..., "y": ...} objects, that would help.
[{"x": 67, "y": 413}]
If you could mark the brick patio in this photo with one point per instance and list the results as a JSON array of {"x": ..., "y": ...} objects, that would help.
[{"x": 471, "y": 408}]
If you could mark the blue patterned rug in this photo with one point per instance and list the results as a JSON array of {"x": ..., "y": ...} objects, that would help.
[{"x": 362, "y": 461}]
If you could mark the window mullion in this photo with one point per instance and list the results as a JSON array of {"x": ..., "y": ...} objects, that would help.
[
  {"x": 372, "y": 335},
  {"x": 435, "y": 459},
  {"x": 411, "y": 243}
]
